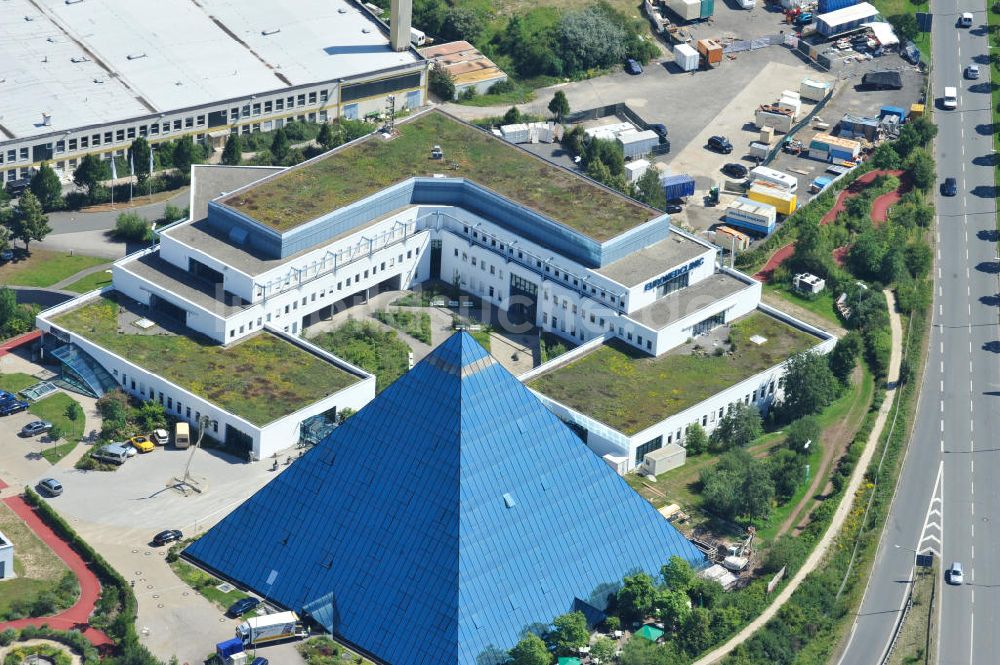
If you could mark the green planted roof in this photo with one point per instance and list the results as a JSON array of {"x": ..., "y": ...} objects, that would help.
[
  {"x": 628, "y": 390},
  {"x": 261, "y": 378},
  {"x": 305, "y": 193}
]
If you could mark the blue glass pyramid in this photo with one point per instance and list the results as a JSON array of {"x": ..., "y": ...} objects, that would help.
[{"x": 442, "y": 520}]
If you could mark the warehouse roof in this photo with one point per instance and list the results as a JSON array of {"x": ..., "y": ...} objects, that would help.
[
  {"x": 102, "y": 60},
  {"x": 359, "y": 170},
  {"x": 844, "y": 15},
  {"x": 466, "y": 64}
]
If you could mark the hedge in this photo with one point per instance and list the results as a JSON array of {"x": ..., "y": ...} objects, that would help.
[{"x": 74, "y": 639}]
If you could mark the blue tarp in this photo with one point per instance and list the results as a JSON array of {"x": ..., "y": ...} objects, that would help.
[{"x": 454, "y": 507}]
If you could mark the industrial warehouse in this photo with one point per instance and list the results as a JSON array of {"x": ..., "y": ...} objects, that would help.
[
  {"x": 89, "y": 77},
  {"x": 268, "y": 251}
]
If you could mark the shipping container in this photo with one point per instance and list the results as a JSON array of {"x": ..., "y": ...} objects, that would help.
[
  {"x": 830, "y": 142},
  {"x": 728, "y": 238},
  {"x": 819, "y": 184},
  {"x": 826, "y": 6},
  {"x": 636, "y": 144},
  {"x": 892, "y": 110},
  {"x": 677, "y": 186},
  {"x": 686, "y": 57},
  {"x": 784, "y": 202},
  {"x": 711, "y": 50},
  {"x": 767, "y": 135},
  {"x": 636, "y": 169},
  {"x": 751, "y": 214},
  {"x": 759, "y": 150},
  {"x": 770, "y": 176},
  {"x": 845, "y": 19},
  {"x": 516, "y": 133},
  {"x": 609, "y": 132},
  {"x": 686, "y": 10},
  {"x": 812, "y": 90},
  {"x": 916, "y": 110},
  {"x": 792, "y": 104},
  {"x": 779, "y": 121},
  {"x": 707, "y": 8}
]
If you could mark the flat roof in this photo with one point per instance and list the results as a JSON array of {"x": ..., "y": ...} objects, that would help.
[
  {"x": 630, "y": 391},
  {"x": 680, "y": 303},
  {"x": 210, "y": 181},
  {"x": 151, "y": 56},
  {"x": 152, "y": 268},
  {"x": 463, "y": 61},
  {"x": 356, "y": 171},
  {"x": 260, "y": 378},
  {"x": 654, "y": 260}
]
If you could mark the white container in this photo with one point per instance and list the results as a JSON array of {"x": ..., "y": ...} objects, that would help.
[
  {"x": 790, "y": 94},
  {"x": 687, "y": 10},
  {"x": 791, "y": 104},
  {"x": 759, "y": 150},
  {"x": 686, "y": 57},
  {"x": 636, "y": 144},
  {"x": 813, "y": 90},
  {"x": 517, "y": 133},
  {"x": 779, "y": 121},
  {"x": 636, "y": 169},
  {"x": 609, "y": 132}
]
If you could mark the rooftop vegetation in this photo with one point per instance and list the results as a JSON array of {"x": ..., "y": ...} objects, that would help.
[
  {"x": 358, "y": 171},
  {"x": 630, "y": 391},
  {"x": 261, "y": 378}
]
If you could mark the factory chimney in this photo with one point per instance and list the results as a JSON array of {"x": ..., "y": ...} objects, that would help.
[{"x": 400, "y": 21}]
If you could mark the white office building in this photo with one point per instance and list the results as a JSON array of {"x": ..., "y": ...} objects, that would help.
[{"x": 269, "y": 251}]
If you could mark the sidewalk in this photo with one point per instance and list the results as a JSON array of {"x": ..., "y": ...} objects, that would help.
[
  {"x": 846, "y": 500},
  {"x": 76, "y": 617}
]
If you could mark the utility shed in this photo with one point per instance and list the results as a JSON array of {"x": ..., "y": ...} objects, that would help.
[
  {"x": 845, "y": 20},
  {"x": 664, "y": 459},
  {"x": 6, "y": 557}
]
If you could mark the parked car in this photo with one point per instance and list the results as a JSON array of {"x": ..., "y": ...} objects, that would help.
[
  {"x": 160, "y": 437},
  {"x": 112, "y": 454},
  {"x": 673, "y": 208},
  {"x": 949, "y": 187},
  {"x": 6, "y": 255},
  {"x": 13, "y": 406},
  {"x": 127, "y": 447},
  {"x": 660, "y": 129},
  {"x": 50, "y": 486},
  {"x": 242, "y": 606},
  {"x": 259, "y": 660},
  {"x": 36, "y": 427},
  {"x": 168, "y": 536},
  {"x": 720, "y": 144},
  {"x": 955, "y": 573},
  {"x": 805, "y": 18},
  {"x": 633, "y": 67},
  {"x": 6, "y": 396},
  {"x": 16, "y": 187},
  {"x": 142, "y": 444},
  {"x": 972, "y": 72},
  {"x": 734, "y": 170}
]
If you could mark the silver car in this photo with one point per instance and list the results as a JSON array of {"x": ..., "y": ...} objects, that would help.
[
  {"x": 955, "y": 573},
  {"x": 972, "y": 72}
]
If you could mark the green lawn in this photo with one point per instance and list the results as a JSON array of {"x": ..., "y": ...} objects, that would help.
[
  {"x": 364, "y": 344},
  {"x": 890, "y": 8},
  {"x": 53, "y": 408},
  {"x": 205, "y": 584},
  {"x": 91, "y": 282},
  {"x": 821, "y": 305},
  {"x": 55, "y": 453},
  {"x": 15, "y": 382},
  {"x": 630, "y": 391},
  {"x": 348, "y": 175},
  {"x": 415, "y": 324},
  {"x": 261, "y": 378},
  {"x": 38, "y": 568},
  {"x": 44, "y": 268},
  {"x": 519, "y": 95}
]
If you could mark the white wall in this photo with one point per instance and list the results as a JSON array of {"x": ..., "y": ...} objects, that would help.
[{"x": 6, "y": 559}]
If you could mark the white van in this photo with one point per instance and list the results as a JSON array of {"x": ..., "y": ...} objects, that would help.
[
  {"x": 182, "y": 435},
  {"x": 950, "y": 99},
  {"x": 112, "y": 453},
  {"x": 965, "y": 20}
]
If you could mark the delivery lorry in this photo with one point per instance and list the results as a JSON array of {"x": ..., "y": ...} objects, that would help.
[{"x": 271, "y": 628}]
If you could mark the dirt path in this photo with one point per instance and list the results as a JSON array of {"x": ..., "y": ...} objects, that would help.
[
  {"x": 78, "y": 616},
  {"x": 779, "y": 257},
  {"x": 836, "y": 438},
  {"x": 847, "y": 499}
]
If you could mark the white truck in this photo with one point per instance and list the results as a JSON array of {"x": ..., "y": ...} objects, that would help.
[{"x": 270, "y": 628}]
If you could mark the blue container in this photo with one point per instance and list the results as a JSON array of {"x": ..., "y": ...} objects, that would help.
[
  {"x": 228, "y": 648},
  {"x": 761, "y": 229},
  {"x": 707, "y": 8},
  {"x": 892, "y": 110},
  {"x": 842, "y": 155},
  {"x": 678, "y": 186},
  {"x": 833, "y": 5}
]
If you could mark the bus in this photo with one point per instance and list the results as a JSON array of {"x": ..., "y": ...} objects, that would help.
[{"x": 774, "y": 178}]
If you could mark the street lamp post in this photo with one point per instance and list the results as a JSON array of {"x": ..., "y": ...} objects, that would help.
[{"x": 186, "y": 481}]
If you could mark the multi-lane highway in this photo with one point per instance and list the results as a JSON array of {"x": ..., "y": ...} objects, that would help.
[{"x": 948, "y": 495}]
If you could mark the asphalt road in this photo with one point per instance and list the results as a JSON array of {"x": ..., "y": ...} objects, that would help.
[{"x": 947, "y": 499}]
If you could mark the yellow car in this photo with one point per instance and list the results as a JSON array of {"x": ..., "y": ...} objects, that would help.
[{"x": 142, "y": 444}]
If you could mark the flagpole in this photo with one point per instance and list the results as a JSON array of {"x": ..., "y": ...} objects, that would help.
[
  {"x": 114, "y": 176},
  {"x": 150, "y": 180},
  {"x": 131, "y": 180}
]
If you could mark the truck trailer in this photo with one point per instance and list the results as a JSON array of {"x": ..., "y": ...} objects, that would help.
[{"x": 271, "y": 628}]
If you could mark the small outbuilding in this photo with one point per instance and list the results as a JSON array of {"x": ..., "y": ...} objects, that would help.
[
  {"x": 663, "y": 459},
  {"x": 468, "y": 67},
  {"x": 648, "y": 632},
  {"x": 6, "y": 557},
  {"x": 808, "y": 283}
]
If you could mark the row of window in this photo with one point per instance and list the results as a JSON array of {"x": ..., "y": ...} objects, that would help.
[
  {"x": 277, "y": 105},
  {"x": 169, "y": 403}
]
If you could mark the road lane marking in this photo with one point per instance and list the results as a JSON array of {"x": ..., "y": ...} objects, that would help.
[
  {"x": 972, "y": 550},
  {"x": 933, "y": 529}
]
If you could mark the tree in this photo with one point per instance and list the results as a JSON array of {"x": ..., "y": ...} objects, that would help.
[
  {"x": 672, "y": 606},
  {"x": 325, "y": 137},
  {"x": 696, "y": 632},
  {"x": 757, "y": 491},
  {"x": 741, "y": 425},
  {"x": 677, "y": 574},
  {"x": 588, "y": 39},
  {"x": 47, "y": 188},
  {"x": 604, "y": 649},
  {"x": 918, "y": 258},
  {"x": 132, "y": 227},
  {"x": 442, "y": 84},
  {"x": 559, "y": 105},
  {"x": 696, "y": 441},
  {"x": 30, "y": 223},
  {"x": 721, "y": 489},
  {"x": 232, "y": 154},
  {"x": 531, "y": 650},
  {"x": 4, "y": 235},
  {"x": 463, "y": 23},
  {"x": 905, "y": 25},
  {"x": 172, "y": 213},
  {"x": 139, "y": 154},
  {"x": 786, "y": 473},
  {"x": 806, "y": 430},
  {"x": 14, "y": 319},
  {"x": 650, "y": 191},
  {"x": 809, "y": 386},
  {"x": 569, "y": 633},
  {"x": 55, "y": 433},
  {"x": 184, "y": 155},
  {"x": 635, "y": 598},
  {"x": 280, "y": 145},
  {"x": 921, "y": 166},
  {"x": 885, "y": 157},
  {"x": 512, "y": 116}
]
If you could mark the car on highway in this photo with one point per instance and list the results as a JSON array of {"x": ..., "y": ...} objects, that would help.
[
  {"x": 142, "y": 444},
  {"x": 13, "y": 406},
  {"x": 734, "y": 170},
  {"x": 242, "y": 606},
  {"x": 168, "y": 536},
  {"x": 950, "y": 98},
  {"x": 949, "y": 187},
  {"x": 36, "y": 427},
  {"x": 955, "y": 573},
  {"x": 50, "y": 486},
  {"x": 965, "y": 20},
  {"x": 720, "y": 144},
  {"x": 633, "y": 67},
  {"x": 972, "y": 72}
]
